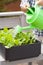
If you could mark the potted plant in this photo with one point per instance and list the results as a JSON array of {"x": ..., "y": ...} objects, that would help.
[{"x": 21, "y": 46}]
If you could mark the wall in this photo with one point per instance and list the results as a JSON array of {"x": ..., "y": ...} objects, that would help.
[
  {"x": 9, "y": 6},
  {"x": 14, "y": 6}
]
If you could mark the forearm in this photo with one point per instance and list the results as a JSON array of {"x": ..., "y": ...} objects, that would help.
[{"x": 40, "y": 2}]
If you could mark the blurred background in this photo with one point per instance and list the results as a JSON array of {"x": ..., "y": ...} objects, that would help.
[{"x": 9, "y": 5}]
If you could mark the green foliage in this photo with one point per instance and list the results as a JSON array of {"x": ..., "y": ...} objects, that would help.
[{"x": 22, "y": 38}]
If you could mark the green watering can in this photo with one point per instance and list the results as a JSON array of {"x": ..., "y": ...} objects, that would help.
[{"x": 34, "y": 17}]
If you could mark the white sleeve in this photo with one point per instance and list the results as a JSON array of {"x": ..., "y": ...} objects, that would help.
[{"x": 23, "y": 2}]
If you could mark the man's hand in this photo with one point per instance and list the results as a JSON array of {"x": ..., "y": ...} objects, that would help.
[{"x": 24, "y": 8}]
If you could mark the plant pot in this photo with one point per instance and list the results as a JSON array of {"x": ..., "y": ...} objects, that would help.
[{"x": 21, "y": 52}]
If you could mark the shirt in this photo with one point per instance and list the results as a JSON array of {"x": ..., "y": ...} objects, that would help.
[
  {"x": 38, "y": 33},
  {"x": 31, "y": 2}
]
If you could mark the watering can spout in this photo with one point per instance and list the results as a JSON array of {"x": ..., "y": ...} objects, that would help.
[
  {"x": 27, "y": 27},
  {"x": 19, "y": 29}
]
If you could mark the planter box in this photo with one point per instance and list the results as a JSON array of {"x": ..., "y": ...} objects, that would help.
[{"x": 21, "y": 52}]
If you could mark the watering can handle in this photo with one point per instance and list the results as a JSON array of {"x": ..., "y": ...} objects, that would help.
[
  {"x": 30, "y": 10},
  {"x": 35, "y": 6}
]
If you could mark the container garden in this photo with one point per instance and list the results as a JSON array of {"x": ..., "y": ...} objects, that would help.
[{"x": 22, "y": 51}]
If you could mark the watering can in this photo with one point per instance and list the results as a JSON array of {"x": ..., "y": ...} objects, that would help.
[{"x": 34, "y": 19}]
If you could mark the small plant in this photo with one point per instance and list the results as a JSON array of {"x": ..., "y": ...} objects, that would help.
[{"x": 22, "y": 38}]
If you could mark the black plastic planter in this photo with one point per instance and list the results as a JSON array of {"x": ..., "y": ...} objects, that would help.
[{"x": 21, "y": 52}]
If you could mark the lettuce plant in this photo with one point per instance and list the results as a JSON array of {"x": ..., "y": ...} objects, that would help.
[{"x": 22, "y": 38}]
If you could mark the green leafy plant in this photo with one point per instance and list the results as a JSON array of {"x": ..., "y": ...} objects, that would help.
[{"x": 8, "y": 40}]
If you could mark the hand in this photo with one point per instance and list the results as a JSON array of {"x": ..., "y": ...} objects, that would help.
[
  {"x": 24, "y": 8},
  {"x": 40, "y": 2}
]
